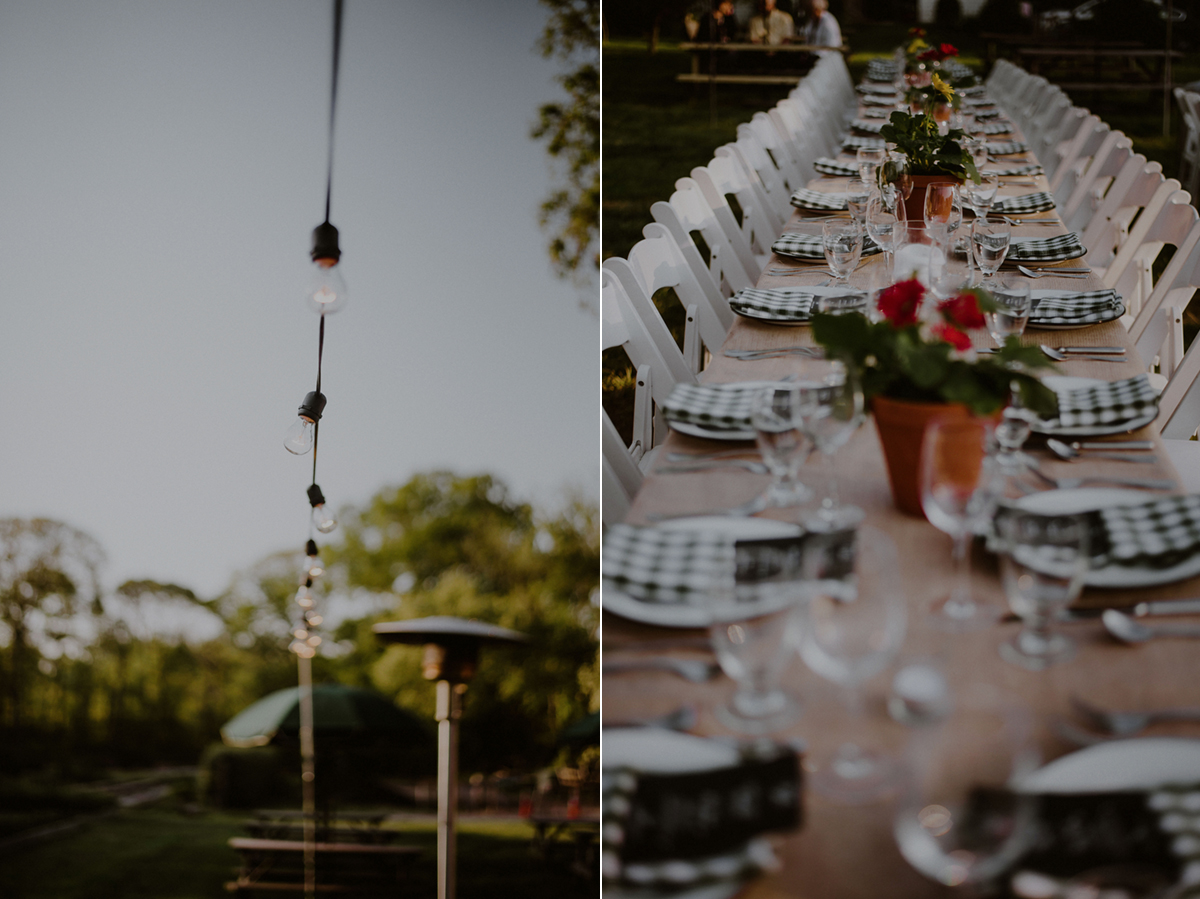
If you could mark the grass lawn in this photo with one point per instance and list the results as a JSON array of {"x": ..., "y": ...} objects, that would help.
[{"x": 158, "y": 853}]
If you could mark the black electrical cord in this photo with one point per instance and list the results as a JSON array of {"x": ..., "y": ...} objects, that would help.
[{"x": 337, "y": 47}]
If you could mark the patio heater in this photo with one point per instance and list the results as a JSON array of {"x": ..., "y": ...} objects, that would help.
[{"x": 451, "y": 658}]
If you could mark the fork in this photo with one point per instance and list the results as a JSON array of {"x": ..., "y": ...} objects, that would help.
[
  {"x": 1126, "y": 724},
  {"x": 1030, "y": 273},
  {"x": 683, "y": 468},
  {"x": 799, "y": 271},
  {"x": 771, "y": 354},
  {"x": 1072, "y": 483},
  {"x": 1060, "y": 356}
]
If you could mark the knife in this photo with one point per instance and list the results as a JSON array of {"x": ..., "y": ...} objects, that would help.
[
  {"x": 1141, "y": 610},
  {"x": 1114, "y": 444},
  {"x": 1091, "y": 349}
]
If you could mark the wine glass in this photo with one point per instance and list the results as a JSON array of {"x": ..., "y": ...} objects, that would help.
[
  {"x": 1042, "y": 564},
  {"x": 869, "y": 160},
  {"x": 753, "y": 634},
  {"x": 989, "y": 244},
  {"x": 842, "y": 241},
  {"x": 1013, "y": 305},
  {"x": 883, "y": 225},
  {"x": 957, "y": 497},
  {"x": 959, "y": 821},
  {"x": 940, "y": 208},
  {"x": 951, "y": 272},
  {"x": 856, "y": 619},
  {"x": 776, "y": 414},
  {"x": 858, "y": 192},
  {"x": 981, "y": 196},
  {"x": 833, "y": 409},
  {"x": 977, "y": 147},
  {"x": 895, "y": 172}
]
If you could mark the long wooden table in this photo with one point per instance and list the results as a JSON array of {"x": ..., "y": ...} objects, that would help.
[{"x": 847, "y": 851}]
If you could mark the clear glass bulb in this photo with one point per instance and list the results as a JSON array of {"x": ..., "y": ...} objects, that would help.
[
  {"x": 326, "y": 290},
  {"x": 300, "y": 633},
  {"x": 322, "y": 519},
  {"x": 299, "y": 437},
  {"x": 313, "y": 619},
  {"x": 314, "y": 567},
  {"x": 314, "y": 640},
  {"x": 304, "y": 597}
]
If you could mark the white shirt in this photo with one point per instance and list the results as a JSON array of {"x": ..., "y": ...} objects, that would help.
[{"x": 823, "y": 32}]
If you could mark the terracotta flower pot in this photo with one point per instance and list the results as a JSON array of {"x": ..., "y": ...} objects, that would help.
[
  {"x": 901, "y": 426},
  {"x": 914, "y": 206}
]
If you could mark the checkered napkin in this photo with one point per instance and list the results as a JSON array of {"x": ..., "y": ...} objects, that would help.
[
  {"x": 828, "y": 166},
  {"x": 978, "y": 101},
  {"x": 864, "y": 125},
  {"x": 811, "y": 246},
  {"x": 783, "y": 304},
  {"x": 1156, "y": 534},
  {"x": 876, "y": 89},
  {"x": 1045, "y": 249},
  {"x": 870, "y": 100},
  {"x": 994, "y": 128},
  {"x": 1036, "y": 202},
  {"x": 1073, "y": 307},
  {"x": 854, "y": 143},
  {"x": 881, "y": 70},
  {"x": 1104, "y": 403},
  {"x": 875, "y": 114},
  {"x": 715, "y": 407},
  {"x": 661, "y": 565},
  {"x": 985, "y": 113},
  {"x": 817, "y": 199},
  {"x": 1007, "y": 148},
  {"x": 1031, "y": 169},
  {"x": 974, "y": 91}
]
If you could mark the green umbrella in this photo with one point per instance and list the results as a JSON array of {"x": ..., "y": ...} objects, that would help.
[{"x": 338, "y": 710}]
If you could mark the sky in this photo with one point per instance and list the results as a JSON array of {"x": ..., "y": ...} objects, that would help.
[{"x": 163, "y": 167}]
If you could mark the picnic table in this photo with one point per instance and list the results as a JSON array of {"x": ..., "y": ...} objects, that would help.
[
  {"x": 695, "y": 76},
  {"x": 1109, "y": 68},
  {"x": 360, "y": 868},
  {"x": 584, "y": 832}
]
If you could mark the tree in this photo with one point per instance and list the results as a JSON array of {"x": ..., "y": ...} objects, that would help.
[{"x": 572, "y": 212}]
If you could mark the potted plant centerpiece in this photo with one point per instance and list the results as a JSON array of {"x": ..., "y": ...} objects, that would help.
[
  {"x": 930, "y": 156},
  {"x": 916, "y": 363}
]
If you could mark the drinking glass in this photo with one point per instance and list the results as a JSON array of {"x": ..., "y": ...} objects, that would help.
[
  {"x": 1042, "y": 564},
  {"x": 977, "y": 147},
  {"x": 777, "y": 417},
  {"x": 883, "y": 224},
  {"x": 754, "y": 634},
  {"x": 842, "y": 241},
  {"x": 858, "y": 192},
  {"x": 959, "y": 821},
  {"x": 833, "y": 409},
  {"x": 895, "y": 171},
  {"x": 856, "y": 619},
  {"x": 950, "y": 272},
  {"x": 981, "y": 196},
  {"x": 940, "y": 207},
  {"x": 869, "y": 159},
  {"x": 1013, "y": 305},
  {"x": 957, "y": 497},
  {"x": 989, "y": 244}
]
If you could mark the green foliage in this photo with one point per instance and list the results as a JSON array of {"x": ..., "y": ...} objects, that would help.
[
  {"x": 929, "y": 153},
  {"x": 572, "y": 129}
]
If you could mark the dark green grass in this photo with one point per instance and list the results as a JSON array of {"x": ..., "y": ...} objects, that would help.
[{"x": 161, "y": 854}]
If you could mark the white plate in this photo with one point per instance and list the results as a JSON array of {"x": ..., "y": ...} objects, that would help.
[
  {"x": 686, "y": 615},
  {"x": 1141, "y": 764},
  {"x": 1087, "y": 499},
  {"x": 655, "y": 750},
  {"x": 1061, "y": 382}
]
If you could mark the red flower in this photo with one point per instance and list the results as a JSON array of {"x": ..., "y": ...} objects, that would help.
[
  {"x": 899, "y": 302},
  {"x": 948, "y": 50},
  {"x": 962, "y": 311},
  {"x": 952, "y": 336},
  {"x": 930, "y": 54}
]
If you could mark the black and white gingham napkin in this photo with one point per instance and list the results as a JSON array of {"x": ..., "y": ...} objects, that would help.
[
  {"x": 876, "y": 89},
  {"x": 867, "y": 127},
  {"x": 716, "y": 407},
  {"x": 1045, "y": 249},
  {"x": 994, "y": 128},
  {"x": 1073, "y": 307},
  {"x": 875, "y": 113},
  {"x": 1026, "y": 203},
  {"x": 664, "y": 565},
  {"x": 817, "y": 199},
  {"x": 1160, "y": 533},
  {"x": 881, "y": 70},
  {"x": 985, "y": 113},
  {"x": 1031, "y": 169},
  {"x": 975, "y": 91},
  {"x": 789, "y": 305},
  {"x": 1007, "y": 148},
  {"x": 811, "y": 246},
  {"x": 872, "y": 100},
  {"x": 977, "y": 101},
  {"x": 1104, "y": 403},
  {"x": 827, "y": 166},
  {"x": 854, "y": 143}
]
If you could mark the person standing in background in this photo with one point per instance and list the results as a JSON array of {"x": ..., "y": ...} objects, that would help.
[
  {"x": 822, "y": 29},
  {"x": 771, "y": 26}
]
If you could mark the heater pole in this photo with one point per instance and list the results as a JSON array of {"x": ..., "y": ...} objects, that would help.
[{"x": 449, "y": 710}]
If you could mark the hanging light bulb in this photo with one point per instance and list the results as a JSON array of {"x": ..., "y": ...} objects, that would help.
[
  {"x": 300, "y": 633},
  {"x": 322, "y": 518},
  {"x": 299, "y": 437},
  {"x": 304, "y": 597},
  {"x": 326, "y": 290},
  {"x": 312, "y": 618},
  {"x": 314, "y": 641},
  {"x": 312, "y": 562}
]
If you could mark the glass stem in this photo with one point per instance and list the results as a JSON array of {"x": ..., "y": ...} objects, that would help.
[
  {"x": 831, "y": 500},
  {"x": 960, "y": 604}
]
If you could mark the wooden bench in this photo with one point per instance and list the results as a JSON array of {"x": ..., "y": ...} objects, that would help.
[
  {"x": 278, "y": 866},
  {"x": 712, "y": 77}
]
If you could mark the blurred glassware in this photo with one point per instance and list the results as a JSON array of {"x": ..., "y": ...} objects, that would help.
[
  {"x": 858, "y": 191},
  {"x": 777, "y": 417},
  {"x": 1013, "y": 304},
  {"x": 833, "y": 409},
  {"x": 989, "y": 244},
  {"x": 842, "y": 241},
  {"x": 980, "y": 197}
]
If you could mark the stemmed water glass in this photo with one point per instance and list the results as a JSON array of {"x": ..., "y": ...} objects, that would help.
[
  {"x": 1013, "y": 305},
  {"x": 883, "y": 223},
  {"x": 1043, "y": 562},
  {"x": 960, "y": 821},
  {"x": 856, "y": 618},
  {"x": 776, "y": 414},
  {"x": 869, "y": 160},
  {"x": 989, "y": 245},
  {"x": 858, "y": 192},
  {"x": 981, "y": 196},
  {"x": 957, "y": 496},
  {"x": 895, "y": 172},
  {"x": 842, "y": 241},
  {"x": 833, "y": 409},
  {"x": 943, "y": 211},
  {"x": 753, "y": 634},
  {"x": 977, "y": 147}
]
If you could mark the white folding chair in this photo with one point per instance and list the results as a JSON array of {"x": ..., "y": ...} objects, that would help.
[
  {"x": 688, "y": 213},
  {"x": 1189, "y": 160},
  {"x": 1094, "y": 180}
]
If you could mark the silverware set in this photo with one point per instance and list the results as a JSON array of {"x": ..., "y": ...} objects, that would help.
[{"x": 1053, "y": 272}]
